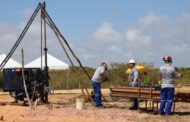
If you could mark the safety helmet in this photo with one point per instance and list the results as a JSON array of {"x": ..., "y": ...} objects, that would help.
[
  {"x": 103, "y": 64},
  {"x": 132, "y": 61},
  {"x": 167, "y": 59}
]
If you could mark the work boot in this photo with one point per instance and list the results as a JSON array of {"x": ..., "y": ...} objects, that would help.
[
  {"x": 169, "y": 114},
  {"x": 100, "y": 107},
  {"x": 133, "y": 108},
  {"x": 156, "y": 113},
  {"x": 161, "y": 113}
]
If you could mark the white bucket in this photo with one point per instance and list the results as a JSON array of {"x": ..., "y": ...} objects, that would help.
[{"x": 80, "y": 104}]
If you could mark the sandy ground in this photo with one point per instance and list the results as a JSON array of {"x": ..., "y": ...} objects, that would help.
[{"x": 62, "y": 109}]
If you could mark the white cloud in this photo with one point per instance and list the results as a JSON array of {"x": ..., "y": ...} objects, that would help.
[
  {"x": 106, "y": 33},
  {"x": 179, "y": 49},
  {"x": 150, "y": 19},
  {"x": 114, "y": 48},
  {"x": 136, "y": 39},
  {"x": 152, "y": 37},
  {"x": 31, "y": 41},
  {"x": 147, "y": 40},
  {"x": 26, "y": 14}
]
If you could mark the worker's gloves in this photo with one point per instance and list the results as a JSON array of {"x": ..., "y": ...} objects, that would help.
[{"x": 133, "y": 84}]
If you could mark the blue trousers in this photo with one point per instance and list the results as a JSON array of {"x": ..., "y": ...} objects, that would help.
[
  {"x": 97, "y": 93},
  {"x": 166, "y": 97},
  {"x": 134, "y": 102}
]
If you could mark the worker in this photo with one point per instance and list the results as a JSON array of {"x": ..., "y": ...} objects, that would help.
[
  {"x": 99, "y": 77},
  {"x": 167, "y": 75},
  {"x": 133, "y": 79},
  {"x": 146, "y": 78}
]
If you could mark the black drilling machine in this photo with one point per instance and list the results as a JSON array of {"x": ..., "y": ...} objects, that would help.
[{"x": 34, "y": 79}]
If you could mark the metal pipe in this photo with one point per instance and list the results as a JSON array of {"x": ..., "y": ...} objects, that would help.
[
  {"x": 43, "y": 15},
  {"x": 145, "y": 94},
  {"x": 136, "y": 91}
]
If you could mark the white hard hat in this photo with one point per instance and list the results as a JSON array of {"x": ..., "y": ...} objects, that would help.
[{"x": 132, "y": 61}]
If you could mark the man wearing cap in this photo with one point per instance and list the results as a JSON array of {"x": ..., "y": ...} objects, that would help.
[
  {"x": 99, "y": 77},
  {"x": 167, "y": 75},
  {"x": 133, "y": 78}
]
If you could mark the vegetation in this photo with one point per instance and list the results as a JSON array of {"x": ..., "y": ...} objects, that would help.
[
  {"x": 63, "y": 79},
  {"x": 116, "y": 74},
  {"x": 69, "y": 79}
]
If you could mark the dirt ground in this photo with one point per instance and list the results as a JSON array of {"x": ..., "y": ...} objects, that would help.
[{"x": 62, "y": 109}]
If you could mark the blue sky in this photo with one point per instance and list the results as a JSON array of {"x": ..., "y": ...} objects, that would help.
[{"x": 108, "y": 30}]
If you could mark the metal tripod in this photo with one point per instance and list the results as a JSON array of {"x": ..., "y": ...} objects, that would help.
[{"x": 46, "y": 20}]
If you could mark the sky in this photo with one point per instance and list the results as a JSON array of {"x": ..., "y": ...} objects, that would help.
[{"x": 102, "y": 30}]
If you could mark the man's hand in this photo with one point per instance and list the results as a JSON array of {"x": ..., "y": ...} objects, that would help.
[
  {"x": 133, "y": 84},
  {"x": 105, "y": 78}
]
